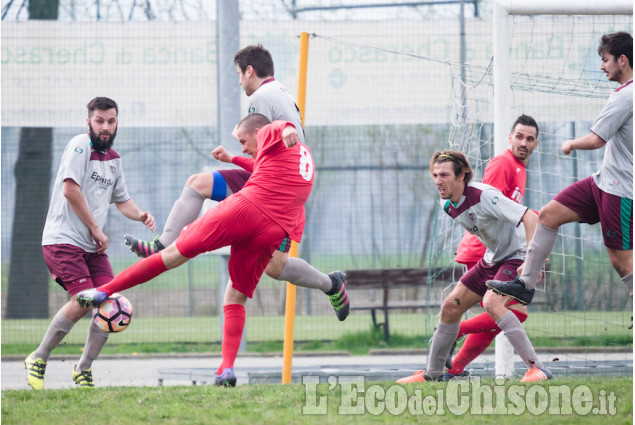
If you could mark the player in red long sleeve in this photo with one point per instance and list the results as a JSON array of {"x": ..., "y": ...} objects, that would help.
[
  {"x": 254, "y": 222},
  {"x": 506, "y": 172}
]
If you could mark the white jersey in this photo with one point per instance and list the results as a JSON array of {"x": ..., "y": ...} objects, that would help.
[
  {"x": 100, "y": 177},
  {"x": 495, "y": 219},
  {"x": 615, "y": 127},
  {"x": 275, "y": 102}
]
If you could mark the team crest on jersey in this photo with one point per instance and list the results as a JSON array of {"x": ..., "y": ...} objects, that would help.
[
  {"x": 113, "y": 169},
  {"x": 472, "y": 217}
]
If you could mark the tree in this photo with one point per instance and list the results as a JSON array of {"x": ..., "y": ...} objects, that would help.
[{"x": 28, "y": 294}]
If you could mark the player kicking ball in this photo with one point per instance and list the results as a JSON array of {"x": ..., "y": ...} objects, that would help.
[{"x": 253, "y": 222}]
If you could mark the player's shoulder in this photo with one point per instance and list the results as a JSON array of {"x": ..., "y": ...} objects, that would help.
[
  {"x": 483, "y": 190},
  {"x": 79, "y": 144},
  {"x": 623, "y": 94}
]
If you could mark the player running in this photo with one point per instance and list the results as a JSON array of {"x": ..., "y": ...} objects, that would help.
[{"x": 486, "y": 212}]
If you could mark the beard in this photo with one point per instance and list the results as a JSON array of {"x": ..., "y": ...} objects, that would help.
[{"x": 99, "y": 144}]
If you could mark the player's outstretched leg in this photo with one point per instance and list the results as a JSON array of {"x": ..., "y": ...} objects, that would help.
[
  {"x": 143, "y": 248},
  {"x": 91, "y": 297},
  {"x": 35, "y": 369},
  {"x": 513, "y": 288},
  {"x": 338, "y": 296}
]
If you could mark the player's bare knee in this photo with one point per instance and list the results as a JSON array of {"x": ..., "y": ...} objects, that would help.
[
  {"x": 274, "y": 268},
  {"x": 546, "y": 217},
  {"x": 451, "y": 309},
  {"x": 199, "y": 184},
  {"x": 492, "y": 301}
]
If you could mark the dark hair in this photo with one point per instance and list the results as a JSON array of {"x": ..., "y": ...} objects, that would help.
[
  {"x": 460, "y": 164},
  {"x": 253, "y": 121},
  {"x": 258, "y": 57},
  {"x": 617, "y": 44},
  {"x": 528, "y": 121},
  {"x": 102, "y": 104}
]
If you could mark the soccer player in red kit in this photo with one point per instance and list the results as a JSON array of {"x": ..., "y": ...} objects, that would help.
[
  {"x": 507, "y": 173},
  {"x": 253, "y": 221}
]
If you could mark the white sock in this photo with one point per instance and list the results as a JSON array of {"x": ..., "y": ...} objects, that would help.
[
  {"x": 301, "y": 273},
  {"x": 94, "y": 343},
  {"x": 442, "y": 341},
  {"x": 518, "y": 338},
  {"x": 184, "y": 211},
  {"x": 60, "y": 327},
  {"x": 539, "y": 250},
  {"x": 628, "y": 281}
]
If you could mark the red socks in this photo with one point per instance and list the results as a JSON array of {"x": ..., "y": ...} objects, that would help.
[
  {"x": 232, "y": 334},
  {"x": 140, "y": 272},
  {"x": 481, "y": 331}
]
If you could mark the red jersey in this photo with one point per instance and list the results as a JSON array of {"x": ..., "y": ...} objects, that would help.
[
  {"x": 507, "y": 174},
  {"x": 281, "y": 180}
]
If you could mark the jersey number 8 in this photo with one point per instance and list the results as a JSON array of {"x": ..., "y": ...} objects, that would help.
[{"x": 306, "y": 164}]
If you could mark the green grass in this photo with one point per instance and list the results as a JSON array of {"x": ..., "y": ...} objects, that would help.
[
  {"x": 315, "y": 333},
  {"x": 283, "y": 404}
]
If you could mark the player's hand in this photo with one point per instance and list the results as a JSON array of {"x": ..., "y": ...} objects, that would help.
[
  {"x": 101, "y": 240},
  {"x": 148, "y": 220},
  {"x": 222, "y": 155},
  {"x": 290, "y": 136},
  {"x": 567, "y": 147}
]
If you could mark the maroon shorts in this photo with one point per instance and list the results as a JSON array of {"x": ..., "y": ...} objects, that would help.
[
  {"x": 75, "y": 269},
  {"x": 235, "y": 178},
  {"x": 476, "y": 277},
  {"x": 237, "y": 222},
  {"x": 615, "y": 214}
]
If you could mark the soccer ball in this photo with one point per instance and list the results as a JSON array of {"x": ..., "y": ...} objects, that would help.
[{"x": 114, "y": 314}]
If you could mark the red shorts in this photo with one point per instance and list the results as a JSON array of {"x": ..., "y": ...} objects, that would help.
[
  {"x": 615, "y": 214},
  {"x": 237, "y": 222},
  {"x": 75, "y": 269},
  {"x": 476, "y": 277},
  {"x": 235, "y": 179}
]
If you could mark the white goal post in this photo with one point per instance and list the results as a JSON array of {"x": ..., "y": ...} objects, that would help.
[{"x": 503, "y": 9}]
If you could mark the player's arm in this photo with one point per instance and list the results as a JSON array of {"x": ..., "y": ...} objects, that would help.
[
  {"x": 290, "y": 136},
  {"x": 585, "y": 143},
  {"x": 130, "y": 210},
  {"x": 221, "y": 154},
  {"x": 75, "y": 198},
  {"x": 274, "y": 133}
]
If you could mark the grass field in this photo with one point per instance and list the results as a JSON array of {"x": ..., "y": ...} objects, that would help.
[
  {"x": 338, "y": 403},
  {"x": 265, "y": 333}
]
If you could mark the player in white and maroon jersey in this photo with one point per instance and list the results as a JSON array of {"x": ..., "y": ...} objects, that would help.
[
  {"x": 89, "y": 179},
  {"x": 606, "y": 196},
  {"x": 484, "y": 211}
]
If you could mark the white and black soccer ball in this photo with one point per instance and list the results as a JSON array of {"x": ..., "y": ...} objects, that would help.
[{"x": 114, "y": 314}]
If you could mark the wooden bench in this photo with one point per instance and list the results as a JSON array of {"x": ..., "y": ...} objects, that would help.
[{"x": 387, "y": 279}]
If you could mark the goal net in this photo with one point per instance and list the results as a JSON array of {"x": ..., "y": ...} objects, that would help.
[{"x": 548, "y": 68}]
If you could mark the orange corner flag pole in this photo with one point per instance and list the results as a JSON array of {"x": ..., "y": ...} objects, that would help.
[{"x": 289, "y": 316}]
